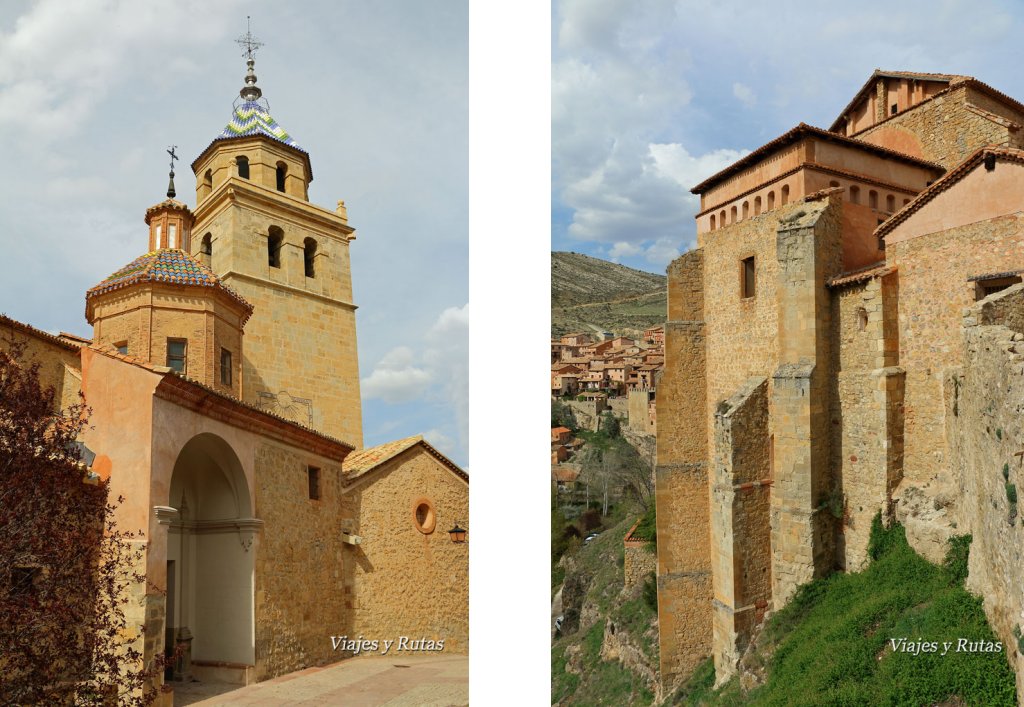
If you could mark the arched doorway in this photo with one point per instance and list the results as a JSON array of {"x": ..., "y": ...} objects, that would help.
[{"x": 210, "y": 560}]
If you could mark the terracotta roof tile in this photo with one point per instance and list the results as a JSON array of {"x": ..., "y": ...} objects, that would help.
[
  {"x": 363, "y": 461},
  {"x": 799, "y": 132},
  {"x": 861, "y": 274},
  {"x": 169, "y": 265}
]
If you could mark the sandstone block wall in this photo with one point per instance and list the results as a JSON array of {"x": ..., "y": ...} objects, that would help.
[
  {"x": 984, "y": 414},
  {"x": 740, "y": 532},
  {"x": 681, "y": 482},
  {"x": 866, "y": 412},
  {"x": 929, "y": 339},
  {"x": 802, "y": 534},
  {"x": 60, "y": 365},
  {"x": 304, "y": 574},
  {"x": 409, "y": 583},
  {"x": 944, "y": 128},
  {"x": 301, "y": 338}
]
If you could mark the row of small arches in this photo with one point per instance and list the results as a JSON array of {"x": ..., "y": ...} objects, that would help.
[
  {"x": 873, "y": 198},
  {"x": 275, "y": 239},
  {"x": 242, "y": 169},
  {"x": 742, "y": 213}
]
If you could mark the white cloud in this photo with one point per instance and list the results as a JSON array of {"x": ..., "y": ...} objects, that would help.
[
  {"x": 395, "y": 378},
  {"x": 745, "y": 94},
  {"x": 437, "y": 370},
  {"x": 622, "y": 249},
  {"x": 662, "y": 252}
]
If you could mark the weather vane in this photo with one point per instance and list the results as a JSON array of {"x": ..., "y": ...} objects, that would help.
[
  {"x": 248, "y": 43},
  {"x": 170, "y": 186}
]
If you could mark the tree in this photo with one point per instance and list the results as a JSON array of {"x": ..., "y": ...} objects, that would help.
[
  {"x": 563, "y": 416},
  {"x": 65, "y": 568},
  {"x": 610, "y": 425}
]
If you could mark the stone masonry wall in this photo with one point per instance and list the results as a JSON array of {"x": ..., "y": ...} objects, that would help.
[
  {"x": 639, "y": 563},
  {"x": 802, "y": 531},
  {"x": 681, "y": 482},
  {"x": 59, "y": 367},
  {"x": 929, "y": 338},
  {"x": 945, "y": 128},
  {"x": 740, "y": 531},
  {"x": 304, "y": 573},
  {"x": 409, "y": 583},
  {"x": 866, "y": 412},
  {"x": 984, "y": 415}
]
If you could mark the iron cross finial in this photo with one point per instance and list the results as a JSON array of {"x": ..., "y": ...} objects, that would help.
[
  {"x": 173, "y": 156},
  {"x": 248, "y": 42}
]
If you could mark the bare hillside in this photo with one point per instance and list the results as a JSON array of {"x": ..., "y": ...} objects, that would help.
[{"x": 589, "y": 294}]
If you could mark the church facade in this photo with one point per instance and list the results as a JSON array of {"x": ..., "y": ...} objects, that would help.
[
  {"x": 831, "y": 325},
  {"x": 223, "y": 382}
]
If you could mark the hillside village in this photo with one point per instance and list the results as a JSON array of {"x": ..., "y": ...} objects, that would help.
[{"x": 617, "y": 374}]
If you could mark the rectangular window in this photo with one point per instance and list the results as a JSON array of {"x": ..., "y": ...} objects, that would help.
[
  {"x": 988, "y": 286},
  {"x": 749, "y": 278},
  {"x": 176, "y": 349},
  {"x": 225, "y": 367},
  {"x": 122, "y": 348},
  {"x": 314, "y": 482},
  {"x": 172, "y": 236},
  {"x": 892, "y": 109}
]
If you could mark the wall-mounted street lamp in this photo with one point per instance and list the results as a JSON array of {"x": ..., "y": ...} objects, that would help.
[{"x": 457, "y": 534}]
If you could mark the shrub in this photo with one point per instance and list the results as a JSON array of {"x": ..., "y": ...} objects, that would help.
[
  {"x": 650, "y": 592},
  {"x": 1011, "y": 493},
  {"x": 956, "y": 558},
  {"x": 1006, "y": 472}
]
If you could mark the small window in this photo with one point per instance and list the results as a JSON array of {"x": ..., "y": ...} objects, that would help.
[
  {"x": 757, "y": 205},
  {"x": 225, "y": 367},
  {"x": 309, "y": 254},
  {"x": 906, "y": 201},
  {"x": 282, "y": 171},
  {"x": 712, "y": 222},
  {"x": 746, "y": 210},
  {"x": 732, "y": 215},
  {"x": 172, "y": 236},
  {"x": 785, "y": 194},
  {"x": 862, "y": 319},
  {"x": 721, "y": 218},
  {"x": 208, "y": 179},
  {"x": 243, "y": 167},
  {"x": 206, "y": 248},
  {"x": 423, "y": 515},
  {"x": 873, "y": 199},
  {"x": 771, "y": 200},
  {"x": 892, "y": 109},
  {"x": 890, "y": 203},
  {"x": 274, "y": 241},
  {"x": 158, "y": 233},
  {"x": 176, "y": 349},
  {"x": 313, "y": 475},
  {"x": 989, "y": 286},
  {"x": 833, "y": 184},
  {"x": 122, "y": 348},
  {"x": 749, "y": 278},
  {"x": 854, "y": 195}
]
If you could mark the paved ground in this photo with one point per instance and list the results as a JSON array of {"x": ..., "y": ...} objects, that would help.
[{"x": 440, "y": 681}]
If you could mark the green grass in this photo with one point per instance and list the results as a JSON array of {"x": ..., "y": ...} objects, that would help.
[{"x": 832, "y": 642}]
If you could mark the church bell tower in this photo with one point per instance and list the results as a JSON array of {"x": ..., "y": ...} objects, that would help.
[{"x": 255, "y": 228}]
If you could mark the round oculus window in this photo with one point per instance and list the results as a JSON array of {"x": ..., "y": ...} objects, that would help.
[{"x": 423, "y": 515}]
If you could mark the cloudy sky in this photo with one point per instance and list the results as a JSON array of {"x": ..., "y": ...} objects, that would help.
[
  {"x": 650, "y": 98},
  {"x": 92, "y": 93}
]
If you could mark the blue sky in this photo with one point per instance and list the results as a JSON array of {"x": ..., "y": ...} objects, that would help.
[
  {"x": 650, "y": 98},
  {"x": 92, "y": 93}
]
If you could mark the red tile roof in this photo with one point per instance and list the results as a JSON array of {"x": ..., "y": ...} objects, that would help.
[
  {"x": 798, "y": 133},
  {"x": 861, "y": 274},
  {"x": 364, "y": 461}
]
